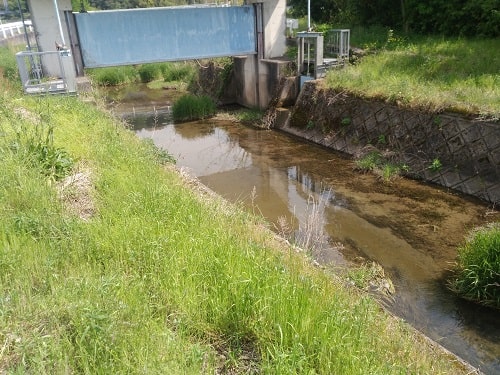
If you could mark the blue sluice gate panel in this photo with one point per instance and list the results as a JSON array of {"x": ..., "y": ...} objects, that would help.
[{"x": 133, "y": 36}]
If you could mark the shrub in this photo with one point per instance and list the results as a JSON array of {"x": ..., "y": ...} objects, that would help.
[
  {"x": 376, "y": 162},
  {"x": 149, "y": 72},
  {"x": 477, "y": 276},
  {"x": 191, "y": 107},
  {"x": 177, "y": 72},
  {"x": 113, "y": 76},
  {"x": 370, "y": 161}
]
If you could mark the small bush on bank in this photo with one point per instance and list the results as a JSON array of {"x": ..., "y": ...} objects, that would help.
[
  {"x": 113, "y": 76},
  {"x": 375, "y": 162},
  {"x": 477, "y": 275},
  {"x": 191, "y": 107},
  {"x": 178, "y": 72},
  {"x": 149, "y": 72}
]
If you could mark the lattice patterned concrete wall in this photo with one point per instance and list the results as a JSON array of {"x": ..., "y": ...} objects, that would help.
[{"x": 466, "y": 151}]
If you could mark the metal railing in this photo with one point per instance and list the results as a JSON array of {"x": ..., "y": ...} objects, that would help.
[
  {"x": 12, "y": 29},
  {"x": 36, "y": 81},
  {"x": 337, "y": 44}
]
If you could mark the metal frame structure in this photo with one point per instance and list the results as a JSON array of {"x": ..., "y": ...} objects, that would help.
[
  {"x": 315, "y": 56},
  {"x": 337, "y": 44},
  {"x": 34, "y": 80}
]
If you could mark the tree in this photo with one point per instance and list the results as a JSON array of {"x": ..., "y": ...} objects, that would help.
[{"x": 449, "y": 17}]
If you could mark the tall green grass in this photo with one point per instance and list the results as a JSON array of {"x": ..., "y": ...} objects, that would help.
[
  {"x": 478, "y": 267},
  {"x": 192, "y": 107},
  {"x": 180, "y": 71},
  {"x": 432, "y": 73},
  {"x": 162, "y": 279},
  {"x": 113, "y": 76},
  {"x": 145, "y": 73}
]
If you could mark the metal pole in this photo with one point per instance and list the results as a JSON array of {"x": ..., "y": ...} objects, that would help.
[
  {"x": 24, "y": 25},
  {"x": 308, "y": 15},
  {"x": 59, "y": 23}
]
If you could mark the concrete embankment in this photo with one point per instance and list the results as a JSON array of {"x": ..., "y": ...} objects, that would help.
[{"x": 455, "y": 151}]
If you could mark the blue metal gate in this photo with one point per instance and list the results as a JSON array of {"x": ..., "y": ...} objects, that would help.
[{"x": 134, "y": 36}]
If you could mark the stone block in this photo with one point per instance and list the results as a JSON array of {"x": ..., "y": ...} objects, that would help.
[
  {"x": 451, "y": 178},
  {"x": 474, "y": 185},
  {"x": 382, "y": 116},
  {"x": 455, "y": 144},
  {"x": 449, "y": 131},
  {"x": 493, "y": 193},
  {"x": 471, "y": 133},
  {"x": 478, "y": 149},
  {"x": 494, "y": 157},
  {"x": 492, "y": 137}
]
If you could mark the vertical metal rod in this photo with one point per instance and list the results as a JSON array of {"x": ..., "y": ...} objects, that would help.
[
  {"x": 25, "y": 31},
  {"x": 308, "y": 15},
  {"x": 59, "y": 23}
]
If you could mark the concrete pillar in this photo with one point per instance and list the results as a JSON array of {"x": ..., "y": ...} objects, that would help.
[
  {"x": 48, "y": 33},
  {"x": 258, "y": 74},
  {"x": 274, "y": 21}
]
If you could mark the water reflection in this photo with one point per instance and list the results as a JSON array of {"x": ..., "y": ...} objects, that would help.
[{"x": 411, "y": 229}]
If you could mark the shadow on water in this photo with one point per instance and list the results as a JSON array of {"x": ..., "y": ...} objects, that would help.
[{"x": 410, "y": 228}]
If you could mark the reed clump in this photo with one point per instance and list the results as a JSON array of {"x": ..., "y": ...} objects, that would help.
[
  {"x": 193, "y": 107},
  {"x": 477, "y": 276}
]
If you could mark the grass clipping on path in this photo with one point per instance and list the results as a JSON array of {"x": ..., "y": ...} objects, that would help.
[{"x": 160, "y": 279}]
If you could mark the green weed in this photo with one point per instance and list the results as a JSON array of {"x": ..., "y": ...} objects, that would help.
[
  {"x": 113, "y": 76},
  {"x": 376, "y": 163},
  {"x": 172, "y": 72},
  {"x": 370, "y": 161},
  {"x": 8, "y": 64},
  {"x": 249, "y": 116},
  {"x": 149, "y": 72},
  {"x": 435, "y": 165},
  {"x": 477, "y": 274},
  {"x": 190, "y": 107}
]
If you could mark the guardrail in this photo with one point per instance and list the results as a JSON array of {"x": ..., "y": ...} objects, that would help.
[{"x": 13, "y": 29}]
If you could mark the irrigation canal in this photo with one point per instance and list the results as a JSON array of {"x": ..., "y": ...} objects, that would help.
[{"x": 411, "y": 229}]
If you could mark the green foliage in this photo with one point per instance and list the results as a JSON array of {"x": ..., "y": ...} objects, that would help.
[
  {"x": 375, "y": 162},
  {"x": 459, "y": 75},
  {"x": 477, "y": 276},
  {"x": 456, "y": 17},
  {"x": 436, "y": 165},
  {"x": 36, "y": 146},
  {"x": 248, "y": 115},
  {"x": 191, "y": 107},
  {"x": 55, "y": 162},
  {"x": 178, "y": 72},
  {"x": 370, "y": 161},
  {"x": 159, "y": 155},
  {"x": 478, "y": 18},
  {"x": 149, "y": 72},
  {"x": 8, "y": 64},
  {"x": 113, "y": 76}
]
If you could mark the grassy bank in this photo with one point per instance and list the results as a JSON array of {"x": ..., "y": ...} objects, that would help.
[
  {"x": 129, "y": 268},
  {"x": 432, "y": 73}
]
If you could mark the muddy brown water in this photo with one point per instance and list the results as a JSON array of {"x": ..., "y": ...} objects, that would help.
[{"x": 411, "y": 229}]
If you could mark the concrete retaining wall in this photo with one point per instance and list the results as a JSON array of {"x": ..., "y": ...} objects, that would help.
[{"x": 443, "y": 148}]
